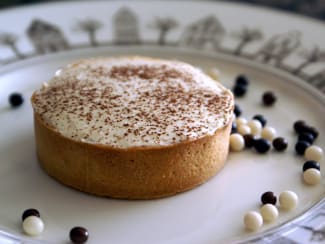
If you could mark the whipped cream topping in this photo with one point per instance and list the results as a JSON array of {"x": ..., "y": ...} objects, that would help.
[{"x": 133, "y": 102}]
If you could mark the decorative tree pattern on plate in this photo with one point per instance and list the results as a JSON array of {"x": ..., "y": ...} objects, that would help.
[
  {"x": 10, "y": 40},
  {"x": 318, "y": 80},
  {"x": 46, "y": 37},
  {"x": 280, "y": 46},
  {"x": 205, "y": 32},
  {"x": 310, "y": 56},
  {"x": 163, "y": 25},
  {"x": 246, "y": 36},
  {"x": 89, "y": 26},
  {"x": 126, "y": 27}
]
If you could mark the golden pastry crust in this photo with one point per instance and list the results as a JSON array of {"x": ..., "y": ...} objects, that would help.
[{"x": 134, "y": 173}]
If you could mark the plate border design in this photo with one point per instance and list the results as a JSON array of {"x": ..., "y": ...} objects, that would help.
[{"x": 206, "y": 34}]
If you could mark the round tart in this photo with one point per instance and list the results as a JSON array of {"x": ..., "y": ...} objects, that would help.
[{"x": 132, "y": 127}]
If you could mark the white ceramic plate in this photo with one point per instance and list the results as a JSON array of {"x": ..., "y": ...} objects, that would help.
[{"x": 211, "y": 213}]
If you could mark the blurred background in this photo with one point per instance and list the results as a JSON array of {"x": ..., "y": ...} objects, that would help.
[{"x": 312, "y": 8}]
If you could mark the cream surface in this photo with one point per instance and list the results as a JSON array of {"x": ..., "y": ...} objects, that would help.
[{"x": 133, "y": 102}]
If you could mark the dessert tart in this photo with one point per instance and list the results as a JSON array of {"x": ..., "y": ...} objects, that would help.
[{"x": 132, "y": 127}]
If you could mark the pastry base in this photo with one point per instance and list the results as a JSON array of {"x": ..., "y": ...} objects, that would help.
[{"x": 132, "y": 173}]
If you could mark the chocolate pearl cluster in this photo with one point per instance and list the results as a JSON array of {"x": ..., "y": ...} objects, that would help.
[
  {"x": 254, "y": 220},
  {"x": 255, "y": 134},
  {"x": 287, "y": 199},
  {"x": 311, "y": 172},
  {"x": 32, "y": 224},
  {"x": 307, "y": 135}
]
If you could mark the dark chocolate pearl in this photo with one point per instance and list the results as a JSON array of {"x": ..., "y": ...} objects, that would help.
[
  {"x": 260, "y": 118},
  {"x": 308, "y": 137},
  {"x": 233, "y": 128},
  {"x": 239, "y": 90},
  {"x": 311, "y": 164},
  {"x": 268, "y": 98},
  {"x": 311, "y": 130},
  {"x": 268, "y": 197},
  {"x": 237, "y": 110},
  {"x": 301, "y": 147},
  {"x": 249, "y": 140},
  {"x": 16, "y": 99},
  {"x": 30, "y": 212},
  {"x": 299, "y": 125},
  {"x": 280, "y": 144},
  {"x": 242, "y": 80},
  {"x": 262, "y": 146},
  {"x": 78, "y": 235}
]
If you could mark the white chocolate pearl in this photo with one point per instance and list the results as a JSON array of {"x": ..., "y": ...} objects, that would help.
[
  {"x": 314, "y": 153},
  {"x": 256, "y": 127},
  {"x": 33, "y": 226},
  {"x": 268, "y": 133},
  {"x": 244, "y": 130},
  {"x": 288, "y": 200},
  {"x": 237, "y": 142},
  {"x": 253, "y": 220},
  {"x": 312, "y": 176},
  {"x": 269, "y": 212},
  {"x": 241, "y": 121}
]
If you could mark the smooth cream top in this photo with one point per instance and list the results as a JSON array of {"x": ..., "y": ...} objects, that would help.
[{"x": 133, "y": 102}]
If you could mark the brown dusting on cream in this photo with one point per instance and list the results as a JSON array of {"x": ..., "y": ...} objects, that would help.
[{"x": 129, "y": 102}]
